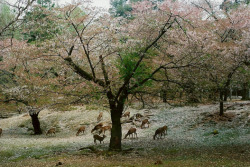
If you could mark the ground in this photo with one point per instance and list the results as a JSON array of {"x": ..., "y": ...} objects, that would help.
[{"x": 197, "y": 136}]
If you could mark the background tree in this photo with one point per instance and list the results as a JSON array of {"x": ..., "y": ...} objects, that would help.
[{"x": 223, "y": 44}]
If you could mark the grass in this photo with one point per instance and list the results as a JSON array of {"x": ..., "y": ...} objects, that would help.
[
  {"x": 182, "y": 158},
  {"x": 182, "y": 146}
]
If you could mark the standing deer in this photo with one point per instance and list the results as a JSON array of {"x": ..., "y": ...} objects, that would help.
[
  {"x": 165, "y": 128},
  {"x": 131, "y": 131},
  {"x": 97, "y": 137},
  {"x": 81, "y": 129},
  {"x": 161, "y": 131},
  {"x": 144, "y": 122},
  {"x": 104, "y": 129},
  {"x": 97, "y": 127}
]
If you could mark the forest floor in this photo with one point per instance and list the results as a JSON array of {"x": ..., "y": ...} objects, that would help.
[{"x": 197, "y": 136}]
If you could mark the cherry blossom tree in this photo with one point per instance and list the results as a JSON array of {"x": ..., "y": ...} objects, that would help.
[
  {"x": 113, "y": 56},
  {"x": 225, "y": 43}
]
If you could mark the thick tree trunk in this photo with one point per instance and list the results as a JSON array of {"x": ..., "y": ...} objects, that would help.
[
  {"x": 221, "y": 103},
  {"x": 116, "y": 131},
  {"x": 36, "y": 124}
]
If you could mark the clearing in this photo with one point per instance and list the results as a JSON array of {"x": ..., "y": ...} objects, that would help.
[{"x": 192, "y": 138}]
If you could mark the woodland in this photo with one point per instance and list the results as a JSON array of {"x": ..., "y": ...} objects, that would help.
[{"x": 141, "y": 54}]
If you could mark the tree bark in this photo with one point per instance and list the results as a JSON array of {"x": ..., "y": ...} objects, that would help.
[
  {"x": 116, "y": 131},
  {"x": 36, "y": 124},
  {"x": 225, "y": 94},
  {"x": 164, "y": 96},
  {"x": 221, "y": 103}
]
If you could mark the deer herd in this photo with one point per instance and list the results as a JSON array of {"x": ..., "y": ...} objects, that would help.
[{"x": 101, "y": 128}]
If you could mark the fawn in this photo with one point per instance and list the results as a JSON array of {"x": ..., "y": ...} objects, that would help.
[{"x": 81, "y": 129}]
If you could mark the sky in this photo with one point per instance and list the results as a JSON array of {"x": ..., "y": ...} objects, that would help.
[
  {"x": 102, "y": 3},
  {"x": 99, "y": 3}
]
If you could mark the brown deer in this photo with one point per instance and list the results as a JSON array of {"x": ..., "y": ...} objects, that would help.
[
  {"x": 97, "y": 137},
  {"x": 126, "y": 114},
  {"x": 51, "y": 131},
  {"x": 1, "y": 131},
  {"x": 144, "y": 122},
  {"x": 99, "y": 118},
  {"x": 165, "y": 130},
  {"x": 81, "y": 129},
  {"x": 104, "y": 129},
  {"x": 97, "y": 127},
  {"x": 161, "y": 131},
  {"x": 131, "y": 131}
]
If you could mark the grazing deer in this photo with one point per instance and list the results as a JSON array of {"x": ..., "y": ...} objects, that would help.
[
  {"x": 51, "y": 131},
  {"x": 161, "y": 131},
  {"x": 97, "y": 127},
  {"x": 131, "y": 131},
  {"x": 126, "y": 114},
  {"x": 1, "y": 131},
  {"x": 104, "y": 129},
  {"x": 81, "y": 129},
  {"x": 144, "y": 122},
  {"x": 99, "y": 118},
  {"x": 97, "y": 137}
]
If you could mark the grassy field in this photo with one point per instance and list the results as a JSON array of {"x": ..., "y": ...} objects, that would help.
[{"x": 190, "y": 140}]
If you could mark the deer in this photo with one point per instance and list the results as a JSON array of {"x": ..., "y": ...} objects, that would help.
[
  {"x": 81, "y": 129},
  {"x": 97, "y": 137},
  {"x": 97, "y": 127},
  {"x": 165, "y": 130},
  {"x": 138, "y": 116},
  {"x": 1, "y": 131},
  {"x": 99, "y": 118},
  {"x": 104, "y": 129},
  {"x": 126, "y": 114},
  {"x": 161, "y": 131},
  {"x": 144, "y": 122},
  {"x": 131, "y": 131},
  {"x": 51, "y": 131}
]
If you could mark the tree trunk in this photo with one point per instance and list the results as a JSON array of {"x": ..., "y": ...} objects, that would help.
[
  {"x": 164, "y": 96},
  {"x": 245, "y": 92},
  {"x": 230, "y": 93},
  {"x": 36, "y": 124},
  {"x": 225, "y": 94},
  {"x": 221, "y": 103},
  {"x": 116, "y": 131}
]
